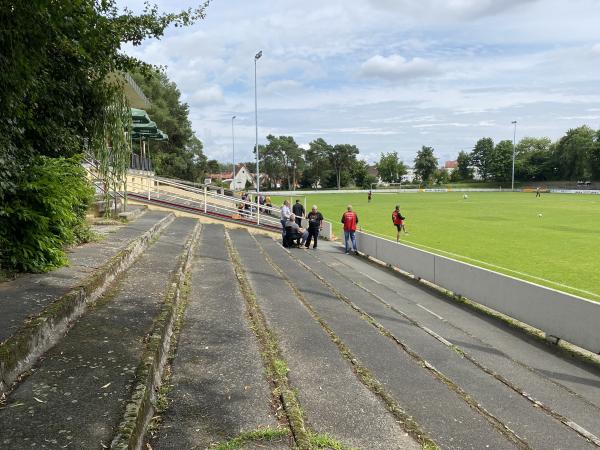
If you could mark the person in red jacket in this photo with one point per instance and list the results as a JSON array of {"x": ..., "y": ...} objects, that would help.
[
  {"x": 398, "y": 220},
  {"x": 349, "y": 219}
]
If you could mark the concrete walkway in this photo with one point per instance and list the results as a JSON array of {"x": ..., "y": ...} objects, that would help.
[
  {"x": 31, "y": 293},
  {"x": 537, "y": 393},
  {"x": 218, "y": 388},
  {"x": 76, "y": 395},
  {"x": 315, "y": 347}
]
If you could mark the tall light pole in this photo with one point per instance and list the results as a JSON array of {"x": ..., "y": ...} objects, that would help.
[
  {"x": 512, "y": 186},
  {"x": 232, "y": 187},
  {"x": 256, "y": 58}
]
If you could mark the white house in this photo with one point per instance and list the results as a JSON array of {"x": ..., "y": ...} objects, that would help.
[
  {"x": 409, "y": 176},
  {"x": 242, "y": 176}
]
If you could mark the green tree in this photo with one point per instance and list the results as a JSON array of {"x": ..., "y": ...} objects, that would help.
[
  {"x": 317, "y": 168},
  {"x": 501, "y": 161},
  {"x": 573, "y": 153},
  {"x": 595, "y": 158},
  {"x": 284, "y": 151},
  {"x": 181, "y": 156},
  {"x": 341, "y": 158},
  {"x": 425, "y": 164},
  {"x": 533, "y": 161},
  {"x": 58, "y": 66},
  {"x": 390, "y": 168},
  {"x": 463, "y": 170},
  {"x": 360, "y": 175},
  {"x": 481, "y": 157},
  {"x": 441, "y": 176}
]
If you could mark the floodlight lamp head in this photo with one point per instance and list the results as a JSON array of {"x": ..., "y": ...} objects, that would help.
[
  {"x": 258, "y": 55},
  {"x": 233, "y": 117},
  {"x": 514, "y": 122}
]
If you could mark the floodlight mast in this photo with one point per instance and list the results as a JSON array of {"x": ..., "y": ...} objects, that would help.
[
  {"x": 232, "y": 155},
  {"x": 256, "y": 58}
]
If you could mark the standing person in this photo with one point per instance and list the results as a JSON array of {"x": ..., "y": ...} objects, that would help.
[
  {"x": 298, "y": 210},
  {"x": 370, "y": 195},
  {"x": 315, "y": 224},
  {"x": 350, "y": 220},
  {"x": 398, "y": 220},
  {"x": 268, "y": 203},
  {"x": 285, "y": 216},
  {"x": 537, "y": 192}
]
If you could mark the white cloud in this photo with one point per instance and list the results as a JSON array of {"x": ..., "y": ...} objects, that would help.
[
  {"x": 459, "y": 69},
  {"x": 449, "y": 9},
  {"x": 207, "y": 96},
  {"x": 395, "y": 67},
  {"x": 283, "y": 86}
]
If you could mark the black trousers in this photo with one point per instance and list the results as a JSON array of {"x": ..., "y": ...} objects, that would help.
[
  {"x": 312, "y": 233},
  {"x": 299, "y": 221}
]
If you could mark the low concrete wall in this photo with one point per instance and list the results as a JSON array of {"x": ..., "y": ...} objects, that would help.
[
  {"x": 326, "y": 232},
  {"x": 558, "y": 314}
]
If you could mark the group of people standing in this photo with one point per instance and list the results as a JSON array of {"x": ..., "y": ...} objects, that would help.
[
  {"x": 291, "y": 222},
  {"x": 294, "y": 234}
]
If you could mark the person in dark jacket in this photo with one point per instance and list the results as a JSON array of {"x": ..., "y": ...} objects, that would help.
[
  {"x": 298, "y": 210},
  {"x": 315, "y": 224}
]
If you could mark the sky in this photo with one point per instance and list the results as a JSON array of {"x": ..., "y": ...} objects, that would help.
[{"x": 384, "y": 75}]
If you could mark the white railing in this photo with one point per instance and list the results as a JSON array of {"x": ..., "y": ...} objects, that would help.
[
  {"x": 558, "y": 314},
  {"x": 183, "y": 195},
  {"x": 202, "y": 200}
]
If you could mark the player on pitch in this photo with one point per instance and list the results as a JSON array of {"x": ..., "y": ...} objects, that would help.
[{"x": 398, "y": 220}]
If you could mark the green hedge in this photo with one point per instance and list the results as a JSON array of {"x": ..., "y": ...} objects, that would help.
[{"x": 44, "y": 213}]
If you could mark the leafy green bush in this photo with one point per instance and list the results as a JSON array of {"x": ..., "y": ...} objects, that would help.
[{"x": 44, "y": 213}]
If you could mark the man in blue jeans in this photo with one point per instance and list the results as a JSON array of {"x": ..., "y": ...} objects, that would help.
[{"x": 349, "y": 219}]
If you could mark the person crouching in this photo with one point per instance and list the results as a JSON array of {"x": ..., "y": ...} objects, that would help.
[{"x": 294, "y": 234}]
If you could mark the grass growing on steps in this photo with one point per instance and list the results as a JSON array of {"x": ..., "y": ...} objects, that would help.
[
  {"x": 327, "y": 442},
  {"x": 271, "y": 353},
  {"x": 265, "y": 434}
]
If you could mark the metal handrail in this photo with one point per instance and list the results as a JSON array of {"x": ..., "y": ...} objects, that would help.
[
  {"x": 212, "y": 194},
  {"x": 252, "y": 215}
]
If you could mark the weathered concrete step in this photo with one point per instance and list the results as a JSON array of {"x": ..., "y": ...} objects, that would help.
[
  {"x": 437, "y": 313},
  {"x": 547, "y": 360},
  {"x": 334, "y": 400},
  {"x": 218, "y": 387},
  {"x": 76, "y": 395},
  {"x": 513, "y": 410},
  {"x": 29, "y": 294},
  {"x": 36, "y": 310},
  {"x": 441, "y": 412}
]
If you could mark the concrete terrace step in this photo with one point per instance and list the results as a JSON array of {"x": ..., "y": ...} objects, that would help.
[
  {"x": 218, "y": 388},
  {"x": 334, "y": 400},
  {"x": 441, "y": 412},
  {"x": 566, "y": 391},
  {"x": 37, "y": 308},
  {"x": 495, "y": 399},
  {"x": 76, "y": 395},
  {"x": 30, "y": 293}
]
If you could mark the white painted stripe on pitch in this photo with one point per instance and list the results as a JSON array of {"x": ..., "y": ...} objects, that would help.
[
  {"x": 545, "y": 280},
  {"x": 431, "y": 312}
]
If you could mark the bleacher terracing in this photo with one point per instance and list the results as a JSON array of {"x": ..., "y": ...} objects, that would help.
[{"x": 172, "y": 333}]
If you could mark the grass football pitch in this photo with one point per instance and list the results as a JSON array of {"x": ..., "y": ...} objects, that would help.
[{"x": 503, "y": 232}]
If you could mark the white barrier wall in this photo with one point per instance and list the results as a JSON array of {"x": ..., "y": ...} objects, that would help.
[
  {"x": 558, "y": 314},
  {"x": 326, "y": 232}
]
